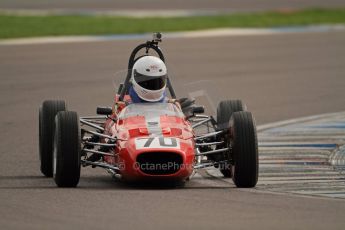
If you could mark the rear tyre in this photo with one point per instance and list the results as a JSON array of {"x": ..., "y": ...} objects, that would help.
[
  {"x": 66, "y": 162},
  {"x": 47, "y": 113},
  {"x": 224, "y": 111},
  {"x": 244, "y": 150}
]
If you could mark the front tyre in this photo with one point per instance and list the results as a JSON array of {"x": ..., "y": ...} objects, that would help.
[
  {"x": 47, "y": 113},
  {"x": 66, "y": 163},
  {"x": 225, "y": 110},
  {"x": 244, "y": 150}
]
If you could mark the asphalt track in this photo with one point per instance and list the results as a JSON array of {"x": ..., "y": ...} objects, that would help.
[
  {"x": 222, "y": 5},
  {"x": 278, "y": 76}
]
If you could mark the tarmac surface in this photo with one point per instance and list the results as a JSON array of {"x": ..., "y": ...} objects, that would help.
[
  {"x": 223, "y": 5},
  {"x": 278, "y": 76}
]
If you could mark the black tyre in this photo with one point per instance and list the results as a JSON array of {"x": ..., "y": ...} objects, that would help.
[
  {"x": 244, "y": 149},
  {"x": 66, "y": 163},
  {"x": 224, "y": 111},
  {"x": 47, "y": 113}
]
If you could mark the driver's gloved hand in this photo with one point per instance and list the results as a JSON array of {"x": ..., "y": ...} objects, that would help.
[
  {"x": 186, "y": 102},
  {"x": 186, "y": 105}
]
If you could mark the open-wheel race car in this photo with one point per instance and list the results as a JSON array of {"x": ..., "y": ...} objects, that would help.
[{"x": 148, "y": 141}]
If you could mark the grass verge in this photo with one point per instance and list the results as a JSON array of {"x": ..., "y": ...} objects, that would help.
[{"x": 12, "y": 26}]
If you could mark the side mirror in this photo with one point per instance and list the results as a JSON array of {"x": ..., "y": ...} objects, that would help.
[
  {"x": 198, "y": 109},
  {"x": 104, "y": 111}
]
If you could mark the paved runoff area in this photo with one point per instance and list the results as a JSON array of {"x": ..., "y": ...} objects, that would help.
[
  {"x": 302, "y": 156},
  {"x": 202, "y": 6}
]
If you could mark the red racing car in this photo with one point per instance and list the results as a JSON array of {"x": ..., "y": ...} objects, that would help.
[{"x": 148, "y": 141}]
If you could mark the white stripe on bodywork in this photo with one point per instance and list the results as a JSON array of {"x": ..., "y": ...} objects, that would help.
[{"x": 153, "y": 125}]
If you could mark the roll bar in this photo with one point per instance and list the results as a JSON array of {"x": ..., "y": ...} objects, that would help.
[{"x": 153, "y": 44}]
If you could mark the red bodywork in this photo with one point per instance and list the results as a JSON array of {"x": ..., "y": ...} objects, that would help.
[{"x": 135, "y": 138}]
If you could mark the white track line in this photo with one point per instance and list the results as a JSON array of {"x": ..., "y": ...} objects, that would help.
[
  {"x": 299, "y": 120},
  {"x": 161, "y": 13},
  {"x": 188, "y": 34},
  {"x": 300, "y": 170}
]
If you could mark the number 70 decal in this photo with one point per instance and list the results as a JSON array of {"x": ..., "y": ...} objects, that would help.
[{"x": 157, "y": 142}]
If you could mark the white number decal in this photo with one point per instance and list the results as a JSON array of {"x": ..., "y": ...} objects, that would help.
[{"x": 157, "y": 142}]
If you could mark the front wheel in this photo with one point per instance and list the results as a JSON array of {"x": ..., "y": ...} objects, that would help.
[
  {"x": 244, "y": 146},
  {"x": 66, "y": 164},
  {"x": 225, "y": 110}
]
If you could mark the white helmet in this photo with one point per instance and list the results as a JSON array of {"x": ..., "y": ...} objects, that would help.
[{"x": 149, "y": 77}]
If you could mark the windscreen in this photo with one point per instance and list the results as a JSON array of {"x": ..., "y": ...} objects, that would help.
[{"x": 150, "y": 110}]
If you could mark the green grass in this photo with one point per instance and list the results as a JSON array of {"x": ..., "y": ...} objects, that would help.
[{"x": 12, "y": 26}]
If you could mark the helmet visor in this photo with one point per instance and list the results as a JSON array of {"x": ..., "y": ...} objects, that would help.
[{"x": 150, "y": 82}]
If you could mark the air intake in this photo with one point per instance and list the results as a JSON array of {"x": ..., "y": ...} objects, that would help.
[{"x": 159, "y": 163}]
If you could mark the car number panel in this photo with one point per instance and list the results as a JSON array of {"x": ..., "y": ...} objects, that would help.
[{"x": 157, "y": 142}]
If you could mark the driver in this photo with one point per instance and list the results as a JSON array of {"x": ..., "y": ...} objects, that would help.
[{"x": 149, "y": 80}]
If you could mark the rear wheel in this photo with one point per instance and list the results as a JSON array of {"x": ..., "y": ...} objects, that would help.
[
  {"x": 244, "y": 149},
  {"x": 66, "y": 163},
  {"x": 224, "y": 111},
  {"x": 47, "y": 113}
]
